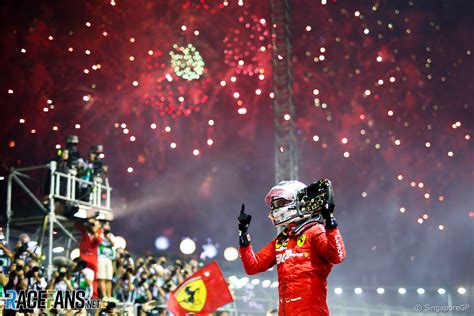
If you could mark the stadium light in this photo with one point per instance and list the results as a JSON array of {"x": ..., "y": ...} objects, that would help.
[
  {"x": 75, "y": 253},
  {"x": 274, "y": 284},
  {"x": 402, "y": 291},
  {"x": 441, "y": 291},
  {"x": 244, "y": 281},
  {"x": 120, "y": 242},
  {"x": 338, "y": 290},
  {"x": 380, "y": 290},
  {"x": 208, "y": 251},
  {"x": 255, "y": 282},
  {"x": 162, "y": 243},
  {"x": 358, "y": 290},
  {"x": 266, "y": 283},
  {"x": 461, "y": 290},
  {"x": 187, "y": 246},
  {"x": 58, "y": 249},
  {"x": 231, "y": 254},
  {"x": 420, "y": 291}
]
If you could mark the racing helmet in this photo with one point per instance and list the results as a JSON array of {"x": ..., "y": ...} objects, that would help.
[{"x": 282, "y": 199}]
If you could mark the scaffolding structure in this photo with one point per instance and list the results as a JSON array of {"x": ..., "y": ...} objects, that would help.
[
  {"x": 63, "y": 188},
  {"x": 286, "y": 149}
]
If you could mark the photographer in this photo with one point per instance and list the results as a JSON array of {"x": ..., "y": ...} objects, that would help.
[
  {"x": 157, "y": 292},
  {"x": 17, "y": 281},
  {"x": 124, "y": 260},
  {"x": 82, "y": 277},
  {"x": 143, "y": 293},
  {"x": 99, "y": 169},
  {"x": 85, "y": 170},
  {"x": 105, "y": 269},
  {"x": 73, "y": 154},
  {"x": 304, "y": 252},
  {"x": 16, "y": 278},
  {"x": 61, "y": 280},
  {"x": 124, "y": 286},
  {"x": 63, "y": 162},
  {"x": 36, "y": 280},
  {"x": 91, "y": 238},
  {"x": 23, "y": 251}
]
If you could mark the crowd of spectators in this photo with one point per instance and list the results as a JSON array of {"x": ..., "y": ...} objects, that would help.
[{"x": 102, "y": 271}]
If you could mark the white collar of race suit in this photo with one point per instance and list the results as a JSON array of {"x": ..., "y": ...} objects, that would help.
[{"x": 299, "y": 228}]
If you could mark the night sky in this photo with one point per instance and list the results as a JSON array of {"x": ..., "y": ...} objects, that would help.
[{"x": 383, "y": 93}]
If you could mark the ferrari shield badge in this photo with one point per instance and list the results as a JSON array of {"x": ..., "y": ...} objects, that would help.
[{"x": 192, "y": 295}]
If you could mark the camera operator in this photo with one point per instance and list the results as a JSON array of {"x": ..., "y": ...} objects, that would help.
[
  {"x": 62, "y": 161},
  {"x": 23, "y": 251},
  {"x": 36, "y": 280},
  {"x": 143, "y": 293},
  {"x": 85, "y": 172},
  {"x": 105, "y": 269},
  {"x": 17, "y": 281},
  {"x": 61, "y": 280},
  {"x": 99, "y": 169},
  {"x": 89, "y": 246},
  {"x": 177, "y": 272},
  {"x": 124, "y": 260},
  {"x": 73, "y": 154},
  {"x": 82, "y": 277},
  {"x": 16, "y": 277},
  {"x": 124, "y": 286},
  {"x": 156, "y": 284},
  {"x": 140, "y": 265}
]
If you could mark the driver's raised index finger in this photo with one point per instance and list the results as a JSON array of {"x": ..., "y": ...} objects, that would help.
[{"x": 242, "y": 210}]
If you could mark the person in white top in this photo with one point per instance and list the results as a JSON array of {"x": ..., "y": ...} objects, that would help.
[{"x": 106, "y": 255}]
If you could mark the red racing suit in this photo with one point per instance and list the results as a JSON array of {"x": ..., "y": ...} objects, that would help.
[
  {"x": 304, "y": 255},
  {"x": 89, "y": 247}
]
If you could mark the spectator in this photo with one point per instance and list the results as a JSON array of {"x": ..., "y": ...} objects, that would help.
[
  {"x": 61, "y": 280},
  {"x": 124, "y": 286},
  {"x": 23, "y": 251},
  {"x": 71, "y": 146},
  {"x": 16, "y": 277},
  {"x": 89, "y": 246},
  {"x": 85, "y": 173},
  {"x": 82, "y": 277},
  {"x": 36, "y": 280},
  {"x": 105, "y": 268},
  {"x": 5, "y": 255},
  {"x": 123, "y": 259},
  {"x": 63, "y": 161},
  {"x": 146, "y": 282},
  {"x": 143, "y": 293}
]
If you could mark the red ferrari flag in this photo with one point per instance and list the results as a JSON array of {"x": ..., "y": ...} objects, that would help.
[{"x": 202, "y": 293}]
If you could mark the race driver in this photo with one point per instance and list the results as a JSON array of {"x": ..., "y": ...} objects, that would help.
[{"x": 304, "y": 252}]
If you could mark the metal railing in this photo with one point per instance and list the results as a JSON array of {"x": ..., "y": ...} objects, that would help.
[{"x": 62, "y": 187}]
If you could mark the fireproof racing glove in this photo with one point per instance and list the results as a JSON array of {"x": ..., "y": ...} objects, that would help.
[
  {"x": 328, "y": 209},
  {"x": 244, "y": 223}
]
